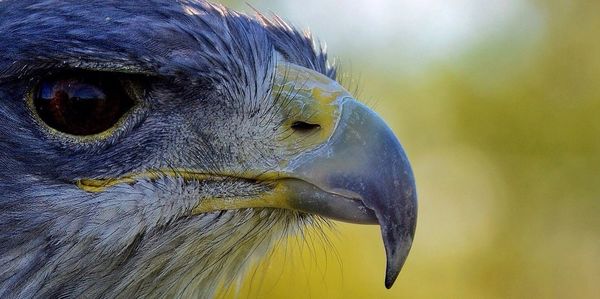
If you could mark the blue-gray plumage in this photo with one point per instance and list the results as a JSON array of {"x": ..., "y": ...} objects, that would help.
[{"x": 238, "y": 136}]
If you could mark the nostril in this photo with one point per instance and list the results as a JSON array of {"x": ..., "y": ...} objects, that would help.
[{"x": 304, "y": 127}]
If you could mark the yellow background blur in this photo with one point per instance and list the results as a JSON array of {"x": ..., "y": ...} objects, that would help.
[{"x": 497, "y": 104}]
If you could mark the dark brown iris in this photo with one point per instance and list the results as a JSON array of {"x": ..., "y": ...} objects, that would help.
[{"x": 81, "y": 105}]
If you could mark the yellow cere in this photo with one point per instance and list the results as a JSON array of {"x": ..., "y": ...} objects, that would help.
[{"x": 313, "y": 98}]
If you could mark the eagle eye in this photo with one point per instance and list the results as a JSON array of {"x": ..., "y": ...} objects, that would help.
[{"x": 81, "y": 104}]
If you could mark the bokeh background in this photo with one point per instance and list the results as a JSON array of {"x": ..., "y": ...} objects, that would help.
[{"x": 497, "y": 104}]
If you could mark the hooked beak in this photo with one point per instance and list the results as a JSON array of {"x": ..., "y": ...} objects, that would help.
[{"x": 362, "y": 175}]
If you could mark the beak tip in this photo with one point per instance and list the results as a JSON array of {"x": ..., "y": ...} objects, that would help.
[
  {"x": 390, "y": 278},
  {"x": 392, "y": 271},
  {"x": 397, "y": 250}
]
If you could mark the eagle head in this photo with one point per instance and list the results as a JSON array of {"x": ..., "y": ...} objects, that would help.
[{"x": 151, "y": 148}]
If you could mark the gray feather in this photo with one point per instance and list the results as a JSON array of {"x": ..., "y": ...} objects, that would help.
[{"x": 204, "y": 98}]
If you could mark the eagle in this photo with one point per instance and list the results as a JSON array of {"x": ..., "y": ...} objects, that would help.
[{"x": 155, "y": 148}]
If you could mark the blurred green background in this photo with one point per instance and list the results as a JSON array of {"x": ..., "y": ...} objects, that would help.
[{"x": 496, "y": 104}]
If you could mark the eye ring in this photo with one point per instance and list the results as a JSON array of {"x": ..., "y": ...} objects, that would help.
[{"x": 84, "y": 106}]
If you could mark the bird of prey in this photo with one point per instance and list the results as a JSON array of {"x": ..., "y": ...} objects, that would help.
[{"x": 153, "y": 148}]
